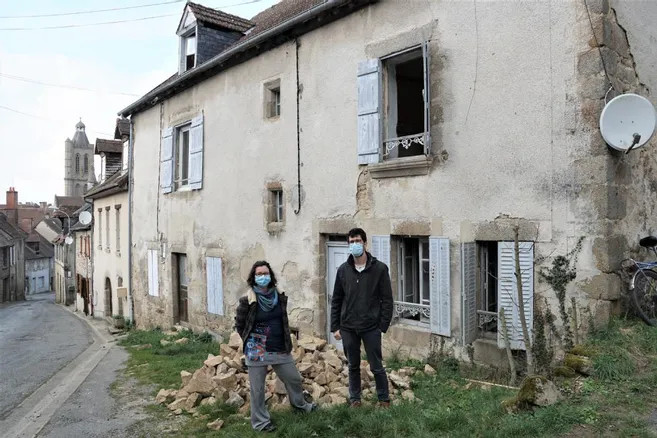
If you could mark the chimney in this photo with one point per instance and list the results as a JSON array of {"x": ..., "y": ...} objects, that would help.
[{"x": 12, "y": 199}]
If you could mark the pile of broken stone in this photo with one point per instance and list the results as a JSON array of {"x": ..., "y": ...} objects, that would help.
[{"x": 322, "y": 367}]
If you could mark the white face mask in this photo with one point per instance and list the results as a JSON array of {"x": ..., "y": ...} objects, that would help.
[{"x": 356, "y": 249}]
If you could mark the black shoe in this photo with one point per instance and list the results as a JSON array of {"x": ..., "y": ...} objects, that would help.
[{"x": 269, "y": 427}]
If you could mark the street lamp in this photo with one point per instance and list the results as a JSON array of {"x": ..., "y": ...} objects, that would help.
[{"x": 67, "y": 239}]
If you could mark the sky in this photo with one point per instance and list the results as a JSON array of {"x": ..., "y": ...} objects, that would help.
[{"x": 117, "y": 62}]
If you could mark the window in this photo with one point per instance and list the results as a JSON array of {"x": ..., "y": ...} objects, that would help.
[
  {"x": 489, "y": 285},
  {"x": 181, "y": 160},
  {"x": 100, "y": 228},
  {"x": 118, "y": 229},
  {"x": 420, "y": 278},
  {"x": 153, "y": 282},
  {"x": 86, "y": 164},
  {"x": 77, "y": 164},
  {"x": 107, "y": 229},
  {"x": 12, "y": 256},
  {"x": 277, "y": 205},
  {"x": 5, "y": 257},
  {"x": 394, "y": 106},
  {"x": 273, "y": 99},
  {"x": 188, "y": 52}
]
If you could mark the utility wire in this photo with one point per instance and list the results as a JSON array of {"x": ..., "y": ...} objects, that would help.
[
  {"x": 96, "y": 11},
  {"x": 70, "y": 87},
  {"x": 45, "y": 118}
]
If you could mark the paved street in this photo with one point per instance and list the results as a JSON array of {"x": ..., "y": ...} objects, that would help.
[{"x": 37, "y": 339}]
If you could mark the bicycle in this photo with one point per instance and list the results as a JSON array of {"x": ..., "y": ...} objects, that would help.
[{"x": 643, "y": 284}]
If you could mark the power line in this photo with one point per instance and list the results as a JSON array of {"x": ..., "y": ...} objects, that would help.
[
  {"x": 71, "y": 87},
  {"x": 45, "y": 118},
  {"x": 95, "y": 11}
]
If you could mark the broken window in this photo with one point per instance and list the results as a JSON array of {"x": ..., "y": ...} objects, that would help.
[
  {"x": 404, "y": 118},
  {"x": 413, "y": 282},
  {"x": 181, "y": 159},
  {"x": 487, "y": 293}
]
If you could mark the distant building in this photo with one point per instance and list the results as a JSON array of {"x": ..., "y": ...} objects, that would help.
[{"x": 78, "y": 162}]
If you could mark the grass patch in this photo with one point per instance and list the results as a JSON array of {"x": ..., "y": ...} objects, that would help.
[{"x": 161, "y": 365}]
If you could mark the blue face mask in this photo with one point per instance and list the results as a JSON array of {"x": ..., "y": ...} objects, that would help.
[
  {"x": 356, "y": 249},
  {"x": 262, "y": 280}
]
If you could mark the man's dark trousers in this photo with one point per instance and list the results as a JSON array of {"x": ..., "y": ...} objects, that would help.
[{"x": 372, "y": 340}]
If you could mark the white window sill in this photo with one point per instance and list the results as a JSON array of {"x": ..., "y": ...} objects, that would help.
[
  {"x": 413, "y": 324},
  {"x": 397, "y": 167}
]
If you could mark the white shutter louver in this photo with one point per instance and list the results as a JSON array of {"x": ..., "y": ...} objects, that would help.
[
  {"x": 469, "y": 291},
  {"x": 153, "y": 283},
  {"x": 215, "y": 288},
  {"x": 369, "y": 118},
  {"x": 381, "y": 249},
  {"x": 508, "y": 292},
  {"x": 439, "y": 286},
  {"x": 166, "y": 161},
  {"x": 426, "y": 58},
  {"x": 196, "y": 153}
]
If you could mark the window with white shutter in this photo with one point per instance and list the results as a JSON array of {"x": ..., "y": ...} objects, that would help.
[
  {"x": 469, "y": 292},
  {"x": 508, "y": 293},
  {"x": 439, "y": 267},
  {"x": 166, "y": 161},
  {"x": 196, "y": 153},
  {"x": 215, "y": 289},
  {"x": 153, "y": 281},
  {"x": 380, "y": 248},
  {"x": 369, "y": 108}
]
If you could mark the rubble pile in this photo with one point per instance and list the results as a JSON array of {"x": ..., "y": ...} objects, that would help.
[{"x": 322, "y": 367}]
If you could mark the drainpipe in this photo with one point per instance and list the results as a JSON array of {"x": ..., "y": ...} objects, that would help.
[{"x": 131, "y": 302}]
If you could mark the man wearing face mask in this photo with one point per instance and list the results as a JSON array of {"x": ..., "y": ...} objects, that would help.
[{"x": 361, "y": 310}]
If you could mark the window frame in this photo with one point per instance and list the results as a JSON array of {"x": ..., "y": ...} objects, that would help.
[
  {"x": 418, "y": 259},
  {"x": 184, "y": 45},
  {"x": 178, "y": 166},
  {"x": 272, "y": 99}
]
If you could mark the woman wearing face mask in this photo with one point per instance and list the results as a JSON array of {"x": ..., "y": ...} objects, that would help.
[{"x": 261, "y": 320}]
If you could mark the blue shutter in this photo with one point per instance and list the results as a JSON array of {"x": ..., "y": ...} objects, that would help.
[
  {"x": 215, "y": 288},
  {"x": 196, "y": 153},
  {"x": 440, "y": 299},
  {"x": 369, "y": 106},
  {"x": 166, "y": 161}
]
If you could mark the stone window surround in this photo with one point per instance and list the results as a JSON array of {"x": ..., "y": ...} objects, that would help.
[
  {"x": 272, "y": 225},
  {"x": 269, "y": 88}
]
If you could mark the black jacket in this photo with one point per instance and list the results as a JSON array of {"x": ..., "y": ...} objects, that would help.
[
  {"x": 245, "y": 320},
  {"x": 362, "y": 301}
]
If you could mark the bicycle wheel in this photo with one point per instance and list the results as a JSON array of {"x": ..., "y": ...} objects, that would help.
[{"x": 645, "y": 296}]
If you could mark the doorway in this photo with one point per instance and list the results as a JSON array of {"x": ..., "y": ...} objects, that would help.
[
  {"x": 336, "y": 254},
  {"x": 181, "y": 281}
]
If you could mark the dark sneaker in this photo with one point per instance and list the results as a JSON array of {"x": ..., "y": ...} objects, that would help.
[
  {"x": 269, "y": 427},
  {"x": 383, "y": 404},
  {"x": 355, "y": 404}
]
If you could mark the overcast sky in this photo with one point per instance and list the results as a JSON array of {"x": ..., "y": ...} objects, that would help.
[{"x": 131, "y": 57}]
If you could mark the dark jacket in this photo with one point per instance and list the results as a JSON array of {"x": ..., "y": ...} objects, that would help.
[
  {"x": 246, "y": 314},
  {"x": 362, "y": 301}
]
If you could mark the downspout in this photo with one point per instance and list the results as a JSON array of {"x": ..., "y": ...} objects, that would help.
[
  {"x": 131, "y": 302},
  {"x": 298, "y": 210}
]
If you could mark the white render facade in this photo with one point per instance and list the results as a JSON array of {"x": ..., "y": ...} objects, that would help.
[{"x": 511, "y": 141}]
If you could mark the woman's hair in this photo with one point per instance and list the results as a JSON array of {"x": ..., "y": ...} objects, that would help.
[{"x": 251, "y": 279}]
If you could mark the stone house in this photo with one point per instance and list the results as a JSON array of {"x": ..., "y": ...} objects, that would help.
[
  {"x": 82, "y": 235},
  {"x": 12, "y": 261},
  {"x": 426, "y": 123},
  {"x": 110, "y": 251}
]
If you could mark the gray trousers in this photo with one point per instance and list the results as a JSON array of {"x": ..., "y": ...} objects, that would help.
[{"x": 290, "y": 377}]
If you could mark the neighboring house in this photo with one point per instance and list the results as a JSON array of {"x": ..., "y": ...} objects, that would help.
[
  {"x": 24, "y": 215},
  {"x": 436, "y": 128},
  {"x": 39, "y": 264},
  {"x": 12, "y": 261},
  {"x": 111, "y": 295},
  {"x": 82, "y": 234},
  {"x": 78, "y": 162}
]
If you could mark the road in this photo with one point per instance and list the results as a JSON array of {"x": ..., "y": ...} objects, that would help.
[{"x": 57, "y": 372}]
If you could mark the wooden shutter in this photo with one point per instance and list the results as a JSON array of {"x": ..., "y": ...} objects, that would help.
[
  {"x": 508, "y": 293},
  {"x": 215, "y": 288},
  {"x": 153, "y": 281},
  {"x": 439, "y": 286},
  {"x": 381, "y": 249},
  {"x": 369, "y": 117},
  {"x": 469, "y": 291},
  {"x": 166, "y": 161},
  {"x": 426, "y": 61},
  {"x": 196, "y": 153}
]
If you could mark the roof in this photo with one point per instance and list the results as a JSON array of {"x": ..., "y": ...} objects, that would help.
[
  {"x": 69, "y": 201},
  {"x": 281, "y": 22},
  {"x": 46, "y": 250},
  {"x": 53, "y": 224},
  {"x": 80, "y": 139},
  {"x": 217, "y": 18},
  {"x": 10, "y": 229},
  {"x": 114, "y": 184},
  {"x": 122, "y": 128},
  {"x": 109, "y": 146}
]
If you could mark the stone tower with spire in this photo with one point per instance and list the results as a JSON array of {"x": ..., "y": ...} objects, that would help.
[{"x": 78, "y": 163}]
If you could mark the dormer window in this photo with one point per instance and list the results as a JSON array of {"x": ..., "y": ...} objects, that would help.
[{"x": 189, "y": 51}]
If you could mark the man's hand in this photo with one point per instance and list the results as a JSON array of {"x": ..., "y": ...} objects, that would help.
[{"x": 336, "y": 335}]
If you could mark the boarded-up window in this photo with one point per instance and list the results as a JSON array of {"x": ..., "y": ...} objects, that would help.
[{"x": 215, "y": 288}]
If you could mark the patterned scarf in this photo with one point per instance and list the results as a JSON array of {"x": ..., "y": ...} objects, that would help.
[{"x": 267, "y": 298}]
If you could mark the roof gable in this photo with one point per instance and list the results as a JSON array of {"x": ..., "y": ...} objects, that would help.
[{"x": 213, "y": 18}]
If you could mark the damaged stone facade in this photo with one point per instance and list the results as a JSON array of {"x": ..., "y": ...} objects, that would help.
[{"x": 515, "y": 143}]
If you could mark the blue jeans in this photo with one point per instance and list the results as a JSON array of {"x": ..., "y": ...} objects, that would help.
[{"x": 372, "y": 341}]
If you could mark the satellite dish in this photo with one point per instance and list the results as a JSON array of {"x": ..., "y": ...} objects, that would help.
[
  {"x": 85, "y": 218},
  {"x": 627, "y": 122},
  {"x": 68, "y": 240}
]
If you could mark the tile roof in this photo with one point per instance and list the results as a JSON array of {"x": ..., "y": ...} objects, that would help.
[
  {"x": 217, "y": 18},
  {"x": 46, "y": 250},
  {"x": 10, "y": 229},
  {"x": 122, "y": 128},
  {"x": 108, "y": 146},
  {"x": 69, "y": 201},
  {"x": 115, "y": 183},
  {"x": 280, "y": 13}
]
